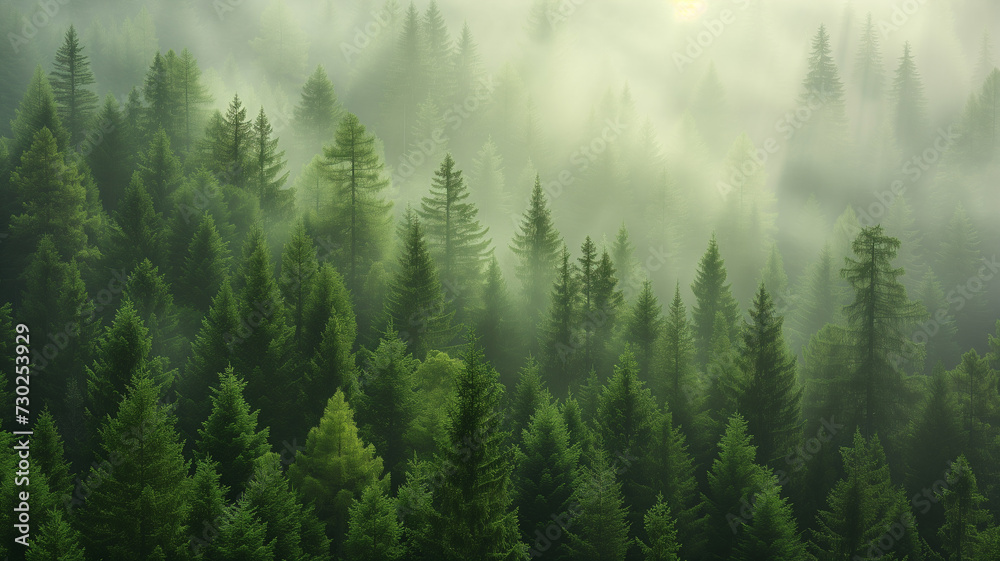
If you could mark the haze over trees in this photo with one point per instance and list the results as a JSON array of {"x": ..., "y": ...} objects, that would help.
[{"x": 443, "y": 280}]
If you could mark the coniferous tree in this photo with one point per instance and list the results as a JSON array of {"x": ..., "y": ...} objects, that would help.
[
  {"x": 212, "y": 351},
  {"x": 207, "y": 503},
  {"x": 600, "y": 530},
  {"x": 150, "y": 294},
  {"x": 868, "y": 62},
  {"x": 335, "y": 467},
  {"x": 822, "y": 83},
  {"x": 290, "y": 522},
  {"x": 138, "y": 512},
  {"x": 623, "y": 253},
  {"x": 206, "y": 266},
  {"x": 265, "y": 178},
  {"x": 137, "y": 230},
  {"x": 242, "y": 535},
  {"x": 36, "y": 111},
  {"x": 192, "y": 95},
  {"x": 122, "y": 354},
  {"x": 559, "y": 332},
  {"x": 544, "y": 474},
  {"x": 643, "y": 328},
  {"x": 374, "y": 530},
  {"x": 607, "y": 302},
  {"x": 327, "y": 298},
  {"x": 455, "y": 239},
  {"x": 733, "y": 482},
  {"x": 769, "y": 397},
  {"x": 415, "y": 304},
  {"x": 963, "y": 513},
  {"x": 674, "y": 381},
  {"x": 713, "y": 296},
  {"x": 530, "y": 395},
  {"x": 586, "y": 282},
  {"x": 57, "y": 540},
  {"x": 877, "y": 320},
  {"x": 160, "y": 171},
  {"x": 70, "y": 80},
  {"x": 229, "y": 435},
  {"x": 360, "y": 215},
  {"x": 862, "y": 507},
  {"x": 909, "y": 105},
  {"x": 662, "y": 532},
  {"x": 817, "y": 303},
  {"x": 536, "y": 245},
  {"x": 387, "y": 404},
  {"x": 494, "y": 322},
  {"x": 318, "y": 111},
  {"x": 771, "y": 533},
  {"x": 232, "y": 145},
  {"x": 298, "y": 267},
  {"x": 475, "y": 500},
  {"x": 112, "y": 159},
  {"x": 160, "y": 107},
  {"x": 48, "y": 454}
]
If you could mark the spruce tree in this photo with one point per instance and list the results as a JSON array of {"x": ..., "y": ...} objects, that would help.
[
  {"x": 909, "y": 105},
  {"x": 643, "y": 328},
  {"x": 387, "y": 404},
  {"x": 335, "y": 467},
  {"x": 661, "y": 530},
  {"x": 494, "y": 322},
  {"x": 771, "y": 533},
  {"x": 36, "y": 111},
  {"x": 530, "y": 395},
  {"x": 206, "y": 266},
  {"x": 70, "y": 80},
  {"x": 733, "y": 482},
  {"x": 600, "y": 530},
  {"x": 266, "y": 176},
  {"x": 623, "y": 253},
  {"x": 454, "y": 236},
  {"x": 139, "y": 509},
  {"x": 56, "y": 540},
  {"x": 298, "y": 265},
  {"x": 112, "y": 159},
  {"x": 817, "y": 302},
  {"x": 48, "y": 454},
  {"x": 868, "y": 61},
  {"x": 360, "y": 215},
  {"x": 560, "y": 330},
  {"x": 769, "y": 397},
  {"x": 964, "y": 514},
  {"x": 207, "y": 503},
  {"x": 229, "y": 435},
  {"x": 862, "y": 507},
  {"x": 607, "y": 302},
  {"x": 242, "y": 535},
  {"x": 160, "y": 171},
  {"x": 374, "y": 530},
  {"x": 327, "y": 297},
  {"x": 471, "y": 516},
  {"x": 150, "y": 294},
  {"x": 536, "y": 245},
  {"x": 137, "y": 230},
  {"x": 877, "y": 323},
  {"x": 673, "y": 380},
  {"x": 712, "y": 296},
  {"x": 822, "y": 83},
  {"x": 415, "y": 305},
  {"x": 231, "y": 150},
  {"x": 185, "y": 79},
  {"x": 160, "y": 107},
  {"x": 317, "y": 113}
]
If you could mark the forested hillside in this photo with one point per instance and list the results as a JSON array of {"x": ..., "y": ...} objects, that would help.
[{"x": 564, "y": 279}]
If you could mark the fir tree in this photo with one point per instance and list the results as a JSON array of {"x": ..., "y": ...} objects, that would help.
[
  {"x": 494, "y": 322},
  {"x": 662, "y": 531},
  {"x": 317, "y": 113},
  {"x": 241, "y": 536},
  {"x": 150, "y": 294},
  {"x": 335, "y": 467},
  {"x": 713, "y": 296},
  {"x": 544, "y": 474},
  {"x": 415, "y": 304},
  {"x": 674, "y": 379},
  {"x": 623, "y": 253},
  {"x": 70, "y": 80},
  {"x": 112, "y": 159},
  {"x": 207, "y": 502},
  {"x": 206, "y": 266},
  {"x": 560, "y": 337},
  {"x": 387, "y": 404},
  {"x": 56, "y": 540},
  {"x": 456, "y": 240},
  {"x": 909, "y": 112},
  {"x": 137, "y": 230},
  {"x": 229, "y": 435},
  {"x": 862, "y": 507},
  {"x": 964, "y": 516},
  {"x": 298, "y": 265},
  {"x": 607, "y": 302},
  {"x": 266, "y": 176},
  {"x": 475, "y": 500},
  {"x": 536, "y": 245},
  {"x": 160, "y": 171},
  {"x": 530, "y": 396},
  {"x": 185, "y": 79},
  {"x": 817, "y": 301},
  {"x": 868, "y": 62},
  {"x": 360, "y": 214},
  {"x": 822, "y": 82},
  {"x": 139, "y": 509},
  {"x": 644, "y": 327},
  {"x": 160, "y": 103},
  {"x": 36, "y": 111},
  {"x": 769, "y": 397},
  {"x": 877, "y": 320},
  {"x": 231, "y": 150},
  {"x": 374, "y": 530},
  {"x": 771, "y": 533},
  {"x": 48, "y": 454},
  {"x": 600, "y": 531}
]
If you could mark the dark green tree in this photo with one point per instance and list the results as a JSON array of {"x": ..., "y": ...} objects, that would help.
[
  {"x": 206, "y": 266},
  {"x": 471, "y": 516},
  {"x": 530, "y": 395},
  {"x": 536, "y": 245},
  {"x": 185, "y": 80},
  {"x": 71, "y": 77},
  {"x": 56, "y": 540},
  {"x": 207, "y": 504},
  {"x": 111, "y": 157},
  {"x": 643, "y": 329},
  {"x": 560, "y": 329},
  {"x": 160, "y": 171},
  {"x": 771, "y": 533},
  {"x": 36, "y": 111},
  {"x": 160, "y": 107},
  {"x": 229, "y": 435},
  {"x": 495, "y": 323},
  {"x": 674, "y": 381},
  {"x": 137, "y": 231},
  {"x": 48, "y": 453},
  {"x": 266, "y": 175},
  {"x": 712, "y": 296},
  {"x": 242, "y": 536},
  {"x": 964, "y": 514},
  {"x": 317, "y": 113},
  {"x": 661, "y": 530},
  {"x": 298, "y": 267},
  {"x": 600, "y": 530},
  {"x": 769, "y": 398},
  {"x": 374, "y": 530},
  {"x": 454, "y": 236}
]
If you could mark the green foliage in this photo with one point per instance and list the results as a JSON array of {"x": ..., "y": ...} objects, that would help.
[
  {"x": 536, "y": 245},
  {"x": 70, "y": 78},
  {"x": 375, "y": 532},
  {"x": 56, "y": 541},
  {"x": 318, "y": 111},
  {"x": 599, "y": 531},
  {"x": 771, "y": 533},
  {"x": 266, "y": 176},
  {"x": 644, "y": 327},
  {"x": 661, "y": 529},
  {"x": 137, "y": 229},
  {"x": 560, "y": 328},
  {"x": 712, "y": 296}
]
